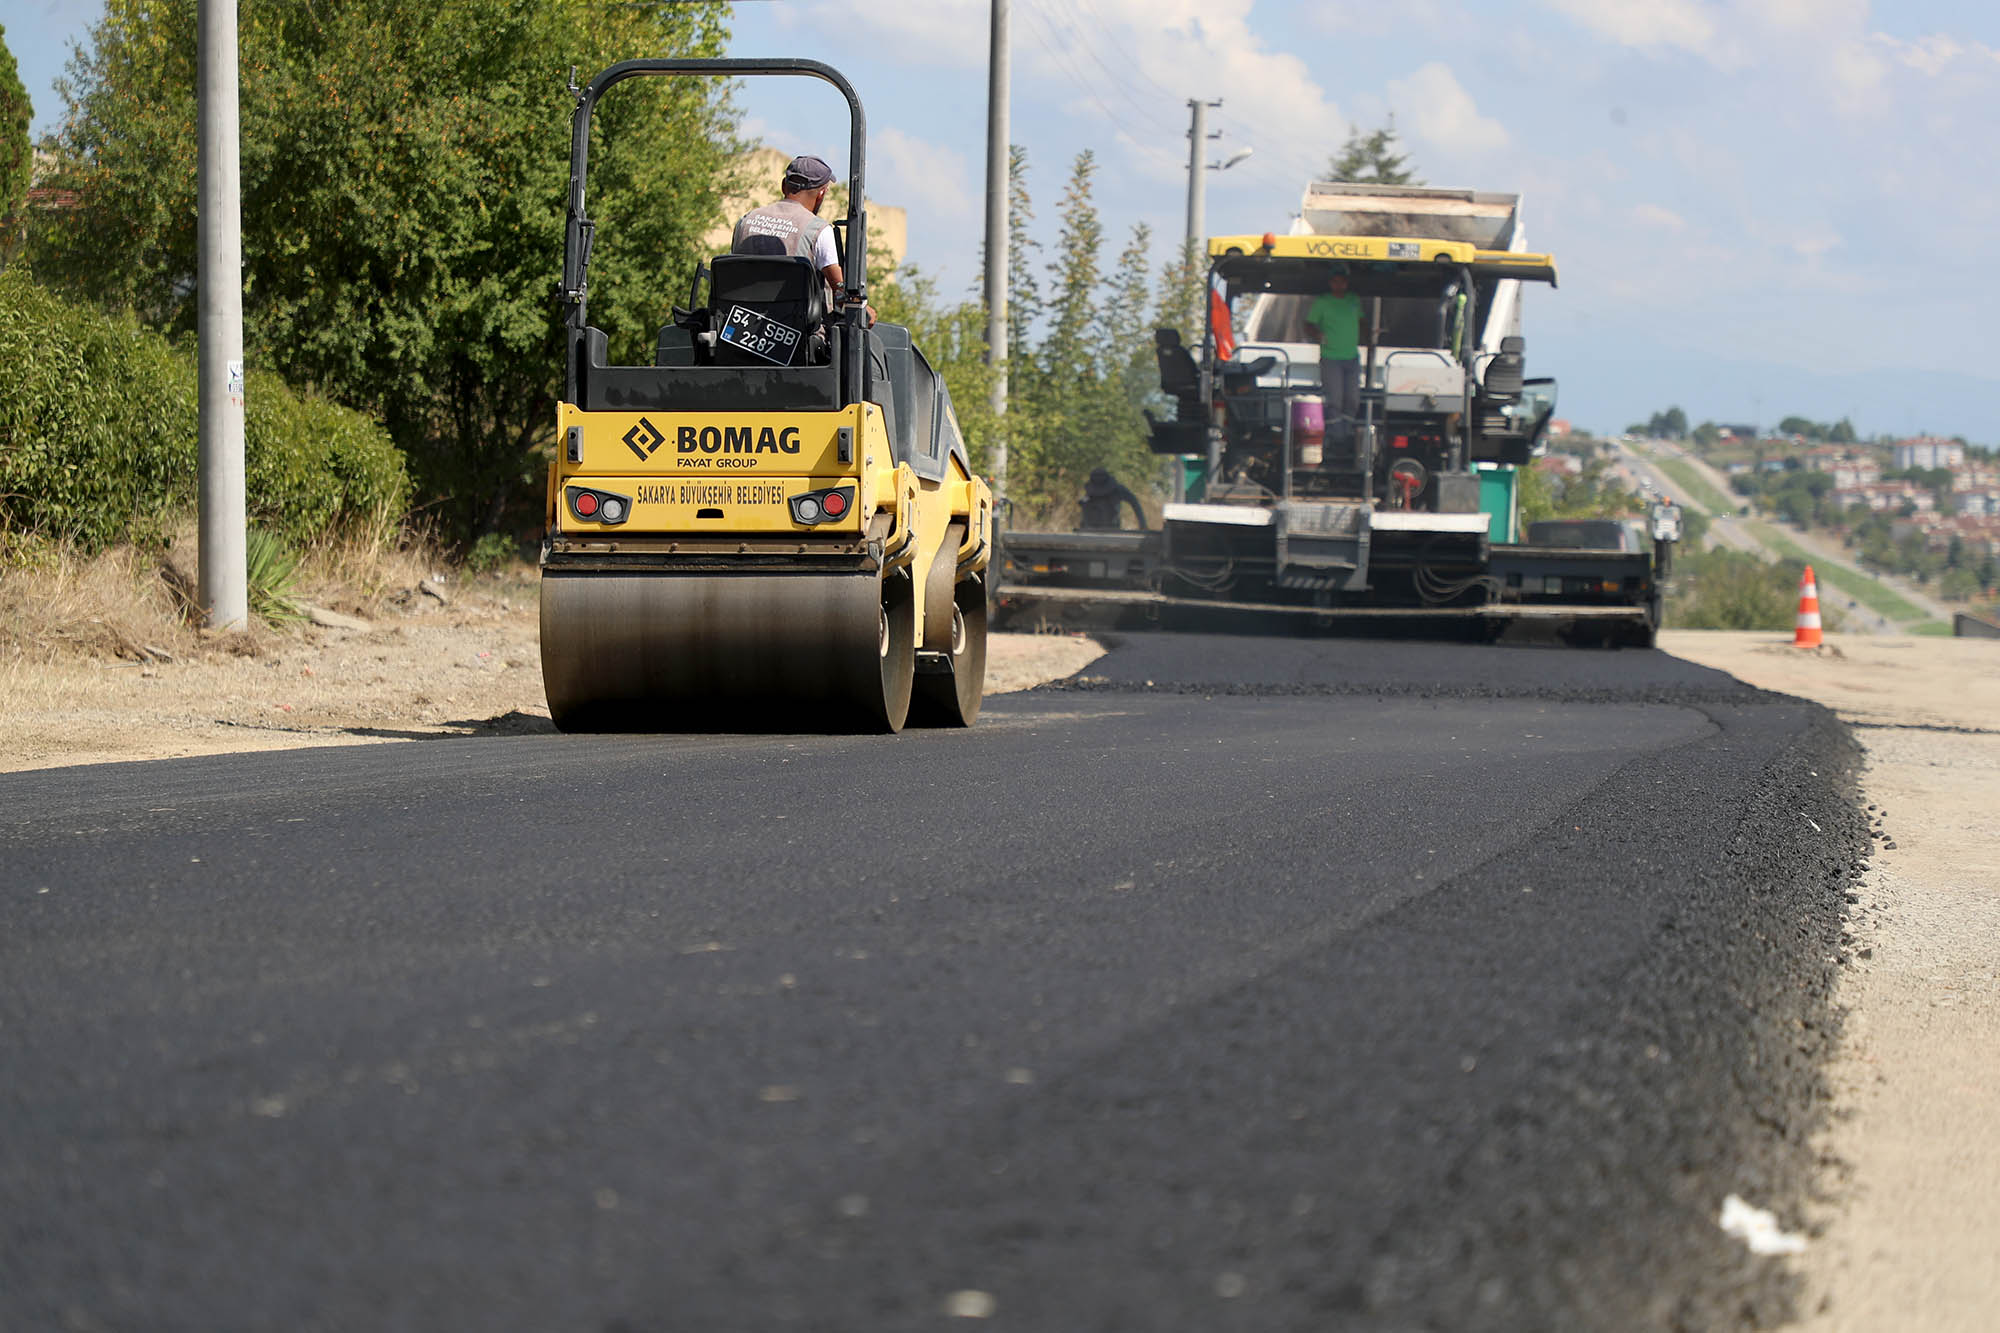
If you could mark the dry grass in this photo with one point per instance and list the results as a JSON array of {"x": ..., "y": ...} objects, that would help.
[
  {"x": 358, "y": 575},
  {"x": 123, "y": 604},
  {"x": 140, "y": 605}
]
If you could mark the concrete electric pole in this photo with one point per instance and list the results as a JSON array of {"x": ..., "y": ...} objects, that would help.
[
  {"x": 222, "y": 584},
  {"x": 1198, "y": 137},
  {"x": 998, "y": 153}
]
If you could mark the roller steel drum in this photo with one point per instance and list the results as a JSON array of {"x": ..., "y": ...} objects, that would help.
[{"x": 726, "y": 652}]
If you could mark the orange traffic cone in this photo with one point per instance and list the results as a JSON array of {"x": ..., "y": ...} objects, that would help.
[{"x": 1807, "y": 635}]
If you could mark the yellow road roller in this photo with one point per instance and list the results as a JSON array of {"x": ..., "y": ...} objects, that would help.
[{"x": 774, "y": 526}]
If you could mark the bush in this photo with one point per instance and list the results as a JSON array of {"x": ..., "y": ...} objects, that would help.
[
  {"x": 271, "y": 576},
  {"x": 496, "y": 550},
  {"x": 1725, "y": 589},
  {"x": 98, "y": 435}
]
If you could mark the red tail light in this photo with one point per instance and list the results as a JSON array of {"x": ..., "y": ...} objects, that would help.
[
  {"x": 825, "y": 506},
  {"x": 598, "y": 506}
]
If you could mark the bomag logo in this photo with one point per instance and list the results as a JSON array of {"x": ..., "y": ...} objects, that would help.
[
  {"x": 737, "y": 440},
  {"x": 644, "y": 438}
]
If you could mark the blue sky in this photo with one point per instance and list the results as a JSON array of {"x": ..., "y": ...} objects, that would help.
[{"x": 1759, "y": 206}]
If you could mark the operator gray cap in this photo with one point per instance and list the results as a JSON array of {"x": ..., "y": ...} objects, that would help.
[{"x": 806, "y": 173}]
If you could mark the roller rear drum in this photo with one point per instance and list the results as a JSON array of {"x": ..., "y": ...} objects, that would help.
[{"x": 724, "y": 652}]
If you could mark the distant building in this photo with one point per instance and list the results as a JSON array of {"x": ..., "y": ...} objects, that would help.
[
  {"x": 1929, "y": 452},
  {"x": 44, "y": 196},
  {"x": 1886, "y": 497},
  {"x": 1558, "y": 427},
  {"x": 1984, "y": 503},
  {"x": 1856, "y": 472}
]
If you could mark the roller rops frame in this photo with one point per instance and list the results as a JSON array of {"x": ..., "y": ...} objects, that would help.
[{"x": 579, "y": 230}]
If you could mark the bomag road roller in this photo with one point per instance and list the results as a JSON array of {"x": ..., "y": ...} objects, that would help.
[{"x": 773, "y": 526}]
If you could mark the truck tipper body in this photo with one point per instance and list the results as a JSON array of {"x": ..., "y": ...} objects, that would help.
[{"x": 1405, "y": 506}]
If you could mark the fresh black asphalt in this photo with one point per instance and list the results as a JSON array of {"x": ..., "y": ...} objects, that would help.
[{"x": 1257, "y": 984}]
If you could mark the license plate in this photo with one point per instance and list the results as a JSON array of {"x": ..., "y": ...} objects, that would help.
[{"x": 760, "y": 335}]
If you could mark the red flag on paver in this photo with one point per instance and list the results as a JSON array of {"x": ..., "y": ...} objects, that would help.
[{"x": 1219, "y": 322}]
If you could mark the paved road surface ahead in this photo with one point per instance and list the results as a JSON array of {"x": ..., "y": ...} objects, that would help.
[{"x": 1249, "y": 984}]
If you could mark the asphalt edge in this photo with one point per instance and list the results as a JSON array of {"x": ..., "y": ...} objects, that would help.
[{"x": 1706, "y": 1074}]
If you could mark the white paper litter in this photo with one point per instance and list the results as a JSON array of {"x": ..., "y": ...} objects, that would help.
[{"x": 1758, "y": 1228}]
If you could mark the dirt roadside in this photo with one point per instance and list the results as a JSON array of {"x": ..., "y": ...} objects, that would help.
[
  {"x": 1909, "y": 1234},
  {"x": 457, "y": 658}
]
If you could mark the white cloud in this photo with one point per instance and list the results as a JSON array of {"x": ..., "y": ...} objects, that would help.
[
  {"x": 1937, "y": 54},
  {"x": 936, "y": 32},
  {"x": 1856, "y": 70},
  {"x": 1130, "y": 66},
  {"x": 1815, "y": 242},
  {"x": 905, "y": 168},
  {"x": 1440, "y": 112},
  {"x": 1652, "y": 215},
  {"x": 1687, "y": 25},
  {"x": 1349, "y": 19},
  {"x": 1806, "y": 15}
]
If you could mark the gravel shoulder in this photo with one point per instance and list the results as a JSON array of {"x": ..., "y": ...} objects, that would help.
[
  {"x": 1909, "y": 1236},
  {"x": 459, "y": 659}
]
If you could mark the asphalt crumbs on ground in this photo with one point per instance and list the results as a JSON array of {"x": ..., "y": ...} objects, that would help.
[{"x": 1239, "y": 984}]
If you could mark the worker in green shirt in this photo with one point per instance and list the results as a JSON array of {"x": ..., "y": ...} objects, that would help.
[{"x": 1335, "y": 319}]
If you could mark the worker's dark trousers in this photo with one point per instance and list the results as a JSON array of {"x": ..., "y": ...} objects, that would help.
[{"x": 1340, "y": 388}]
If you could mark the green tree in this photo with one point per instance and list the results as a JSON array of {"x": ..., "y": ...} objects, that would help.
[
  {"x": 1076, "y": 406},
  {"x": 1841, "y": 432},
  {"x": 1024, "y": 297},
  {"x": 403, "y": 184},
  {"x": 1804, "y": 427},
  {"x": 1080, "y": 368},
  {"x": 1125, "y": 324},
  {"x": 1671, "y": 424},
  {"x": 952, "y": 337},
  {"x": 1369, "y": 157},
  {"x": 1725, "y": 589},
  {"x": 1589, "y": 494},
  {"x": 17, "y": 161}
]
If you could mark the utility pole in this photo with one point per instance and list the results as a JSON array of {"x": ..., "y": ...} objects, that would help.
[
  {"x": 1198, "y": 137},
  {"x": 998, "y": 155},
  {"x": 1197, "y": 232},
  {"x": 222, "y": 584}
]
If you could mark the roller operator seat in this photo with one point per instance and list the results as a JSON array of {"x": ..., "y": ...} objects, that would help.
[{"x": 783, "y": 288}]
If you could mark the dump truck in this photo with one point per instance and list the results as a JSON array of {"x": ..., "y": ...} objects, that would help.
[
  {"x": 775, "y": 524},
  {"x": 1406, "y": 507}
]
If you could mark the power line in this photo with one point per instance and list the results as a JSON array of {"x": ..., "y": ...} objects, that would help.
[
  {"x": 1045, "y": 38},
  {"x": 1103, "y": 24},
  {"x": 1124, "y": 88},
  {"x": 1278, "y": 163}
]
